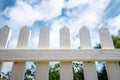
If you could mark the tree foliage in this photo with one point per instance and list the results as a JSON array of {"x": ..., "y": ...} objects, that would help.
[
  {"x": 102, "y": 75},
  {"x": 78, "y": 71},
  {"x": 30, "y": 73},
  {"x": 116, "y": 41},
  {"x": 54, "y": 72}
]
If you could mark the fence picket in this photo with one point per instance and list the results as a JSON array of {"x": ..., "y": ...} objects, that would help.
[
  {"x": 4, "y": 37},
  {"x": 42, "y": 68},
  {"x": 119, "y": 33},
  {"x": 88, "y": 67},
  {"x": 66, "y": 72},
  {"x": 113, "y": 68},
  {"x": 44, "y": 38},
  {"x": 18, "y": 69}
]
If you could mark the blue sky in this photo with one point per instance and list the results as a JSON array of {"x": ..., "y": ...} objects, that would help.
[{"x": 55, "y": 14}]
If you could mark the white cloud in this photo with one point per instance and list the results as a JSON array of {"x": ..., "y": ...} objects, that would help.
[
  {"x": 114, "y": 24},
  {"x": 74, "y": 3},
  {"x": 24, "y": 14},
  {"x": 50, "y": 8},
  {"x": 115, "y": 21},
  {"x": 32, "y": 2},
  {"x": 21, "y": 14}
]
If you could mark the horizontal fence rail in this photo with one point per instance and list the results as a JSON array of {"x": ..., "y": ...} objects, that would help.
[
  {"x": 59, "y": 55},
  {"x": 43, "y": 55}
]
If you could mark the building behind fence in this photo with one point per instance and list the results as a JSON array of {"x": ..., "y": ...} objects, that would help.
[{"x": 43, "y": 55}]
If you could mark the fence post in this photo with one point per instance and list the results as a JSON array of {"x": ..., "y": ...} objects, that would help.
[
  {"x": 4, "y": 37},
  {"x": 88, "y": 67},
  {"x": 113, "y": 68},
  {"x": 18, "y": 69},
  {"x": 66, "y": 72},
  {"x": 42, "y": 68}
]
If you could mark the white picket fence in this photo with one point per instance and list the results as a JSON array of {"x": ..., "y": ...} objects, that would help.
[{"x": 65, "y": 55}]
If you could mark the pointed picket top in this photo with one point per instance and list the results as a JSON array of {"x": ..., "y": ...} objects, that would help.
[
  {"x": 103, "y": 28},
  {"x": 4, "y": 36},
  {"x": 119, "y": 32},
  {"x": 85, "y": 38},
  {"x": 64, "y": 37},
  {"x": 105, "y": 38},
  {"x": 65, "y": 28},
  {"x": 83, "y": 28},
  {"x": 44, "y": 38},
  {"x": 25, "y": 28},
  {"x": 5, "y": 28},
  {"x": 24, "y": 37},
  {"x": 45, "y": 28}
]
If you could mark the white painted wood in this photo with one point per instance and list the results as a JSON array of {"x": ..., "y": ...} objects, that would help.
[
  {"x": 24, "y": 38},
  {"x": 1, "y": 65},
  {"x": 4, "y": 37},
  {"x": 106, "y": 40},
  {"x": 85, "y": 39},
  {"x": 22, "y": 55},
  {"x": 44, "y": 38},
  {"x": 88, "y": 67},
  {"x": 42, "y": 68},
  {"x": 43, "y": 55},
  {"x": 66, "y": 72},
  {"x": 113, "y": 69},
  {"x": 64, "y": 38},
  {"x": 18, "y": 69},
  {"x": 42, "y": 71},
  {"x": 119, "y": 33}
]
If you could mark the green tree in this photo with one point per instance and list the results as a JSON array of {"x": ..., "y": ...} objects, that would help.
[
  {"x": 116, "y": 41},
  {"x": 77, "y": 71},
  {"x": 102, "y": 75},
  {"x": 54, "y": 72},
  {"x": 30, "y": 73}
]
